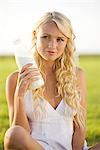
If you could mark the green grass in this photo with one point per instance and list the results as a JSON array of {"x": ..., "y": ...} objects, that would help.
[
  {"x": 7, "y": 65},
  {"x": 91, "y": 66}
]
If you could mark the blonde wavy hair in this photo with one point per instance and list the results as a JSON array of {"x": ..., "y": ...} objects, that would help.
[{"x": 64, "y": 66}]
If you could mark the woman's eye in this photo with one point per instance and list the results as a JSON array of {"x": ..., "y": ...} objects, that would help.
[
  {"x": 60, "y": 40},
  {"x": 45, "y": 36}
]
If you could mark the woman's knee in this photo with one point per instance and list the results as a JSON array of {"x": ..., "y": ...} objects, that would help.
[{"x": 13, "y": 136}]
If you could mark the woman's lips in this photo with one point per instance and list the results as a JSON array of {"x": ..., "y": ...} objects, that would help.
[{"x": 51, "y": 52}]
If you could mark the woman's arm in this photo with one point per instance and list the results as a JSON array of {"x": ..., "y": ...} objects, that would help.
[
  {"x": 17, "y": 115},
  {"x": 80, "y": 133},
  {"x": 17, "y": 85}
]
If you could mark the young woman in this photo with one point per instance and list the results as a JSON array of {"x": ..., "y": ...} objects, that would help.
[{"x": 51, "y": 117}]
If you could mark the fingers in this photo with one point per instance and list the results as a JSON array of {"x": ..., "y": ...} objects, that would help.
[
  {"x": 28, "y": 74},
  {"x": 31, "y": 70},
  {"x": 24, "y": 67}
]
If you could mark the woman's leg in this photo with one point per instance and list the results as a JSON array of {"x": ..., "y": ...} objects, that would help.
[
  {"x": 96, "y": 147},
  {"x": 17, "y": 138}
]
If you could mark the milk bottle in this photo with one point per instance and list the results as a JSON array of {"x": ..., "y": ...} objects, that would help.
[{"x": 23, "y": 57}]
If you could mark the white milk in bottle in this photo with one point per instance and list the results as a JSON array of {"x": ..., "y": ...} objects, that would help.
[{"x": 23, "y": 57}]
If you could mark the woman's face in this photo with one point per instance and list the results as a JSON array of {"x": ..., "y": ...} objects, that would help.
[{"x": 50, "y": 41}]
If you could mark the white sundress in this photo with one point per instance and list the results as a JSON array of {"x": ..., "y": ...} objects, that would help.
[{"x": 53, "y": 131}]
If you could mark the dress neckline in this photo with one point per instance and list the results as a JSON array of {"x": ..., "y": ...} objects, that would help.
[{"x": 58, "y": 106}]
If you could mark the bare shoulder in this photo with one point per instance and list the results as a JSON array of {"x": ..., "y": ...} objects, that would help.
[
  {"x": 12, "y": 78},
  {"x": 81, "y": 81},
  {"x": 11, "y": 81},
  {"x": 80, "y": 73},
  {"x": 12, "y": 75}
]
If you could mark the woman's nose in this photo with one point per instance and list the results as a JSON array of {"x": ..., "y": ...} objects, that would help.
[{"x": 52, "y": 44}]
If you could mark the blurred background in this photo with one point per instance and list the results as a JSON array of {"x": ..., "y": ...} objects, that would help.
[{"x": 17, "y": 18}]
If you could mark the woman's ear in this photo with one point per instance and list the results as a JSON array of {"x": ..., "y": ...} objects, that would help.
[
  {"x": 34, "y": 38},
  {"x": 34, "y": 33}
]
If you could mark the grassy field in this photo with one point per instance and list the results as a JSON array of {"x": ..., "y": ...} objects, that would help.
[{"x": 91, "y": 66}]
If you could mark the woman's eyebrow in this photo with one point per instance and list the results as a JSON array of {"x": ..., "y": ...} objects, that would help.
[
  {"x": 61, "y": 37},
  {"x": 51, "y": 35},
  {"x": 45, "y": 33}
]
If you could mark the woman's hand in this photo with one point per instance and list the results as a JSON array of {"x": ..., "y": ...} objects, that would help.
[{"x": 26, "y": 76}]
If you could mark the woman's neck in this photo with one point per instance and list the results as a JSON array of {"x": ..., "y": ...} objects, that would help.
[{"x": 48, "y": 66}]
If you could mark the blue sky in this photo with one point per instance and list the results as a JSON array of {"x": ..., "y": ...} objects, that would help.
[{"x": 17, "y": 18}]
